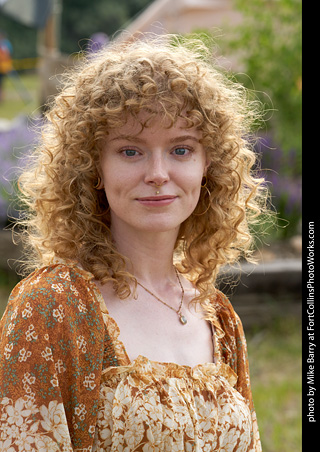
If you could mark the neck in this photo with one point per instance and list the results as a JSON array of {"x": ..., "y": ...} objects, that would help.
[{"x": 150, "y": 255}]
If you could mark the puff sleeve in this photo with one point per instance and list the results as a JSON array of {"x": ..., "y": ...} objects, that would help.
[
  {"x": 234, "y": 353},
  {"x": 51, "y": 357}
]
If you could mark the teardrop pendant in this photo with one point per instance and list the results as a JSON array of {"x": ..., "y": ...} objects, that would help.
[{"x": 183, "y": 320}]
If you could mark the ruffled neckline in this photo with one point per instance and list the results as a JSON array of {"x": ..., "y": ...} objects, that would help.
[
  {"x": 125, "y": 361},
  {"x": 145, "y": 369}
]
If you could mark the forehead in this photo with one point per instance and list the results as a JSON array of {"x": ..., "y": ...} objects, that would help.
[{"x": 145, "y": 124}]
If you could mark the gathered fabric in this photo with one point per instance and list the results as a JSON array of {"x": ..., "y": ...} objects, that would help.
[
  {"x": 67, "y": 384},
  {"x": 164, "y": 407}
]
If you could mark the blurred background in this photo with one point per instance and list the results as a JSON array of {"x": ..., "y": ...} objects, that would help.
[{"x": 259, "y": 43}]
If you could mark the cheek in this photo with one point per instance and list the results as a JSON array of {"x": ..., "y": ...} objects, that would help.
[
  {"x": 118, "y": 186},
  {"x": 110, "y": 175},
  {"x": 196, "y": 195},
  {"x": 112, "y": 188},
  {"x": 192, "y": 190},
  {"x": 110, "y": 181},
  {"x": 192, "y": 179},
  {"x": 192, "y": 184}
]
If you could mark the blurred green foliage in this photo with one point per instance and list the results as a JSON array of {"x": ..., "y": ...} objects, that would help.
[{"x": 268, "y": 47}]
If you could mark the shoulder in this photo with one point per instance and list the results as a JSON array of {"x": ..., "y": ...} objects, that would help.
[
  {"x": 233, "y": 344},
  {"x": 53, "y": 277},
  {"x": 230, "y": 331},
  {"x": 51, "y": 283},
  {"x": 225, "y": 310},
  {"x": 51, "y": 347},
  {"x": 52, "y": 296}
]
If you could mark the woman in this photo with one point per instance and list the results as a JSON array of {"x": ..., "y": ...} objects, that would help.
[{"x": 140, "y": 190}]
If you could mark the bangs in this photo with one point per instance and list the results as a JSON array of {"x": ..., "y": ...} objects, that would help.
[{"x": 165, "y": 95}]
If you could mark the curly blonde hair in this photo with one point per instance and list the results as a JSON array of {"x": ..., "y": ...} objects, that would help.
[{"x": 68, "y": 217}]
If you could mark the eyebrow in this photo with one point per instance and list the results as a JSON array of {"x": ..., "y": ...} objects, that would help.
[
  {"x": 127, "y": 137},
  {"x": 183, "y": 138},
  {"x": 135, "y": 138}
]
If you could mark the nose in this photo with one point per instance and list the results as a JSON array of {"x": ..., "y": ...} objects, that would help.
[{"x": 157, "y": 171}]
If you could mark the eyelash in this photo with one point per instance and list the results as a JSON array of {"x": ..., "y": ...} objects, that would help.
[{"x": 186, "y": 148}]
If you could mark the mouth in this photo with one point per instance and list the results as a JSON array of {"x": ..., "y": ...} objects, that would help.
[
  {"x": 156, "y": 201},
  {"x": 156, "y": 198}
]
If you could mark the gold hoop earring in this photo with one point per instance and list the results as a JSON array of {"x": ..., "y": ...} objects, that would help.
[
  {"x": 209, "y": 194},
  {"x": 204, "y": 185},
  {"x": 97, "y": 186}
]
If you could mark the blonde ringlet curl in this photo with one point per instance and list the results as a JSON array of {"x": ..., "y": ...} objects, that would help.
[{"x": 68, "y": 217}]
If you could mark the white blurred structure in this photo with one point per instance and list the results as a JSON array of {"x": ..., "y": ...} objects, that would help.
[{"x": 182, "y": 16}]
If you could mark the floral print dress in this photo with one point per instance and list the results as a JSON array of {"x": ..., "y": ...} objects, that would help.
[{"x": 67, "y": 384}]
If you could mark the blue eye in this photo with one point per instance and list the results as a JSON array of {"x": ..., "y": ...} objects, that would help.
[
  {"x": 181, "y": 151},
  {"x": 130, "y": 152}
]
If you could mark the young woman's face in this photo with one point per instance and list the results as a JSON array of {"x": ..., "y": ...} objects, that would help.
[{"x": 152, "y": 178}]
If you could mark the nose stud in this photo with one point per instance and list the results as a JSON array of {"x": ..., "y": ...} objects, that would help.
[{"x": 158, "y": 186}]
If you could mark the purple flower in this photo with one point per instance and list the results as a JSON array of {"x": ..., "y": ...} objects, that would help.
[
  {"x": 280, "y": 169},
  {"x": 98, "y": 40}
]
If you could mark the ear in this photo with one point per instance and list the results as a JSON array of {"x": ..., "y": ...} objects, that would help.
[{"x": 207, "y": 164}]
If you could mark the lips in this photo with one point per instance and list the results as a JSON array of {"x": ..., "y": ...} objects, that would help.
[
  {"x": 157, "y": 201},
  {"x": 156, "y": 198}
]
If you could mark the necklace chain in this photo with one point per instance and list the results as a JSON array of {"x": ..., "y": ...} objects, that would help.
[{"x": 182, "y": 318}]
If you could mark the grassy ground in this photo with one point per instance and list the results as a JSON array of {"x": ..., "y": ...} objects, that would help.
[
  {"x": 276, "y": 369},
  {"x": 275, "y": 366}
]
